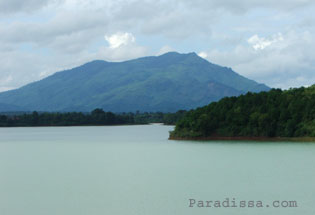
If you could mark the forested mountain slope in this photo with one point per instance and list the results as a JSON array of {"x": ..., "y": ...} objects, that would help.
[{"x": 167, "y": 83}]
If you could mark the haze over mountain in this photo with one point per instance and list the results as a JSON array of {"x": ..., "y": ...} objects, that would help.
[{"x": 169, "y": 82}]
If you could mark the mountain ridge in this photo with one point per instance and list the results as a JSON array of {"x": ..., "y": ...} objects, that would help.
[{"x": 168, "y": 82}]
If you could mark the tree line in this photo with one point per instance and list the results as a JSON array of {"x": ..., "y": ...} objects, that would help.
[
  {"x": 96, "y": 117},
  {"x": 276, "y": 113}
]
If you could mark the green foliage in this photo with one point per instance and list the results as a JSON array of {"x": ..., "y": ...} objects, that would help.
[
  {"x": 96, "y": 117},
  {"x": 276, "y": 113},
  {"x": 166, "y": 83}
]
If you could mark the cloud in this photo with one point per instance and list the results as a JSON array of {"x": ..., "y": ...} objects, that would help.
[
  {"x": 164, "y": 50},
  {"x": 6, "y": 80},
  {"x": 15, "y": 6},
  {"x": 43, "y": 33},
  {"x": 243, "y": 6},
  {"x": 119, "y": 39},
  {"x": 287, "y": 64},
  {"x": 122, "y": 46},
  {"x": 19, "y": 68},
  {"x": 39, "y": 37},
  {"x": 203, "y": 54},
  {"x": 262, "y": 43},
  {"x": 122, "y": 53},
  {"x": 3, "y": 89}
]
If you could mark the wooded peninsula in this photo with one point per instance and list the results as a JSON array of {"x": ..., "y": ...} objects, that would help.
[{"x": 276, "y": 114}]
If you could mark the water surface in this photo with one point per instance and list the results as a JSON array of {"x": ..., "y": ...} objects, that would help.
[{"x": 136, "y": 170}]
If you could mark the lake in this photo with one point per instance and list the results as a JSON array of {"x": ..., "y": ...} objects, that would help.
[{"x": 136, "y": 170}]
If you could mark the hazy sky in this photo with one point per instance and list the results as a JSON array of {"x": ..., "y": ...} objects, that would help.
[{"x": 270, "y": 41}]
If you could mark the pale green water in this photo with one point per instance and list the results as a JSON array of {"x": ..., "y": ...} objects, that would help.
[{"x": 135, "y": 170}]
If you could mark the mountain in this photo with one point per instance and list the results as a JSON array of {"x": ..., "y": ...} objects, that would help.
[
  {"x": 276, "y": 113},
  {"x": 10, "y": 108},
  {"x": 165, "y": 83}
]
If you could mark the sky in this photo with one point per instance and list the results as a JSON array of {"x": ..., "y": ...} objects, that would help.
[{"x": 269, "y": 41}]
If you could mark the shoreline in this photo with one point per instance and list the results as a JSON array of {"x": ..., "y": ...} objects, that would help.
[
  {"x": 258, "y": 139},
  {"x": 56, "y": 126}
]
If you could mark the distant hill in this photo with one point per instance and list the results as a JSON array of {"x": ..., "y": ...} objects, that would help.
[
  {"x": 169, "y": 82},
  {"x": 10, "y": 108},
  {"x": 277, "y": 113}
]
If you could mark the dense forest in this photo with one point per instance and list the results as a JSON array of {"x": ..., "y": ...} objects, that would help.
[
  {"x": 96, "y": 117},
  {"x": 277, "y": 113}
]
